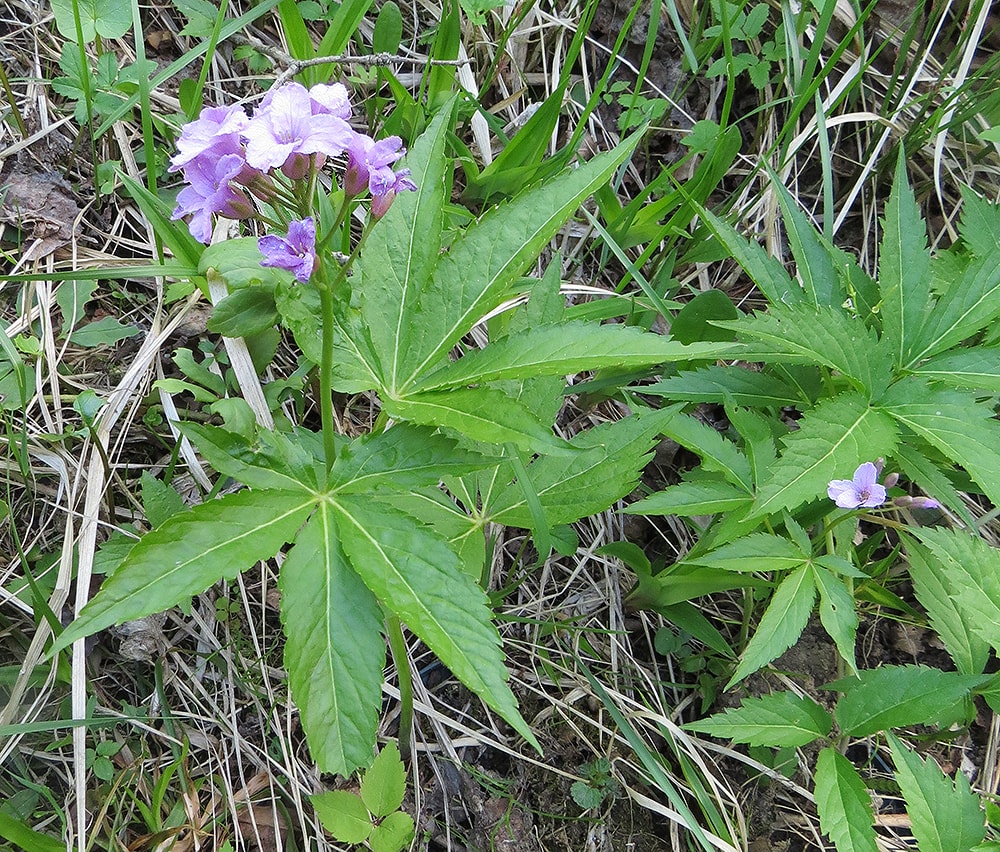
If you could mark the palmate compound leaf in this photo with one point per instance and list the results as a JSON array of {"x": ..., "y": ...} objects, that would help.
[
  {"x": 832, "y": 440},
  {"x": 191, "y": 551},
  {"x": 945, "y": 816},
  {"x": 567, "y": 348},
  {"x": 843, "y": 802},
  {"x": 413, "y": 572},
  {"x": 604, "y": 469},
  {"x": 779, "y": 720},
  {"x": 781, "y": 625},
  {"x": 479, "y": 269},
  {"x": 334, "y": 649},
  {"x": 896, "y": 696}
]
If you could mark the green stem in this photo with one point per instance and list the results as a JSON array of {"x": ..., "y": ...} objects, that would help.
[
  {"x": 326, "y": 378},
  {"x": 398, "y": 648}
]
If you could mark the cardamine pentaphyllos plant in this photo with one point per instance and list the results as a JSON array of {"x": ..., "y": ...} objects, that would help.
[{"x": 375, "y": 540}]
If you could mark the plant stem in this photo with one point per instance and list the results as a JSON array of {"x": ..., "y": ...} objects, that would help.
[
  {"x": 398, "y": 648},
  {"x": 326, "y": 378}
]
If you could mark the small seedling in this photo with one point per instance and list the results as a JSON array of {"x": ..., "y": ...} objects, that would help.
[
  {"x": 371, "y": 817},
  {"x": 599, "y": 784}
]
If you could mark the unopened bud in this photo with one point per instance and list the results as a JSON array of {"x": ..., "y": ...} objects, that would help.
[{"x": 890, "y": 480}]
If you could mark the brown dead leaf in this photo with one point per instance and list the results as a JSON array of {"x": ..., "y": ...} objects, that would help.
[{"x": 41, "y": 205}]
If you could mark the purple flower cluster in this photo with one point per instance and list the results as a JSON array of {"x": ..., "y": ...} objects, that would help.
[{"x": 226, "y": 157}]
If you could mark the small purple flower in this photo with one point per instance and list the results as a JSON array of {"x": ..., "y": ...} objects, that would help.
[
  {"x": 296, "y": 252},
  {"x": 210, "y": 190},
  {"x": 369, "y": 164},
  {"x": 284, "y": 133},
  {"x": 862, "y": 491},
  {"x": 215, "y": 133},
  {"x": 382, "y": 199}
]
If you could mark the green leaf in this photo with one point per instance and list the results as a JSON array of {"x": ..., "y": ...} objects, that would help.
[
  {"x": 780, "y": 720},
  {"x": 845, "y": 808},
  {"x": 758, "y": 552},
  {"x": 564, "y": 349},
  {"x": 945, "y": 817},
  {"x": 465, "y": 534},
  {"x": 832, "y": 440},
  {"x": 187, "y": 553},
  {"x": 237, "y": 262},
  {"x": 105, "y": 18},
  {"x": 72, "y": 298},
  {"x": 384, "y": 783},
  {"x": 159, "y": 501},
  {"x": 765, "y": 271},
  {"x": 904, "y": 269},
  {"x": 969, "y": 570},
  {"x": 692, "y": 498},
  {"x": 965, "y": 306},
  {"x": 244, "y": 313},
  {"x": 896, "y": 696},
  {"x": 606, "y": 467},
  {"x": 414, "y": 573},
  {"x": 477, "y": 272},
  {"x": 16, "y": 832},
  {"x": 837, "y": 613},
  {"x": 244, "y": 460},
  {"x": 812, "y": 256},
  {"x": 683, "y": 582},
  {"x": 716, "y": 453},
  {"x": 980, "y": 222},
  {"x": 399, "y": 259},
  {"x": 781, "y": 625},
  {"x": 103, "y": 332},
  {"x": 334, "y": 648},
  {"x": 977, "y": 368},
  {"x": 727, "y": 385},
  {"x": 932, "y": 583},
  {"x": 484, "y": 414},
  {"x": 693, "y": 322},
  {"x": 344, "y": 815},
  {"x": 388, "y": 29},
  {"x": 808, "y": 335},
  {"x": 953, "y": 422},
  {"x": 403, "y": 457},
  {"x": 393, "y": 834}
]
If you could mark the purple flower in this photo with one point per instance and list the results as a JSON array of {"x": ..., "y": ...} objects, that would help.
[
  {"x": 296, "y": 252},
  {"x": 862, "y": 491},
  {"x": 209, "y": 191},
  {"x": 382, "y": 199},
  {"x": 369, "y": 164},
  {"x": 284, "y": 133},
  {"x": 330, "y": 100},
  {"x": 215, "y": 133}
]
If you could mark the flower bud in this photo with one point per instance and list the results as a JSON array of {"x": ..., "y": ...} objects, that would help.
[{"x": 890, "y": 480}]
